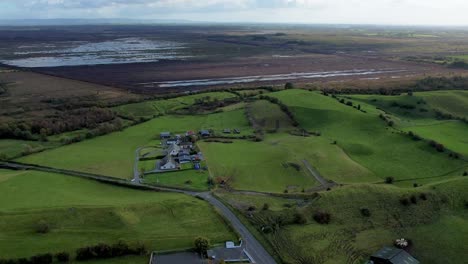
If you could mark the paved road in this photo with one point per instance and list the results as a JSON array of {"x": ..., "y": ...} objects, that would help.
[
  {"x": 253, "y": 247},
  {"x": 136, "y": 173},
  {"x": 324, "y": 182}
]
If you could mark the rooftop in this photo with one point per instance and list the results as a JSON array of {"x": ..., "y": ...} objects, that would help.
[
  {"x": 177, "y": 258},
  {"x": 394, "y": 255}
]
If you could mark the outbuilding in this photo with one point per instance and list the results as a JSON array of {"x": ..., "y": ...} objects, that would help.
[{"x": 392, "y": 255}]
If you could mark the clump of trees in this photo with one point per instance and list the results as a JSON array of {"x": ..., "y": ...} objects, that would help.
[
  {"x": 321, "y": 217},
  {"x": 98, "y": 120},
  {"x": 42, "y": 227},
  {"x": 389, "y": 180},
  {"x": 438, "y": 146},
  {"x": 387, "y": 119},
  {"x": 365, "y": 212},
  {"x": 103, "y": 251},
  {"x": 201, "y": 245},
  {"x": 37, "y": 259},
  {"x": 283, "y": 108}
]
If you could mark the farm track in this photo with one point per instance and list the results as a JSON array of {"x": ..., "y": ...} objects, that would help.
[
  {"x": 253, "y": 247},
  {"x": 324, "y": 182}
]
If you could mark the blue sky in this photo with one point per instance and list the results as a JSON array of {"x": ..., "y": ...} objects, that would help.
[{"x": 415, "y": 12}]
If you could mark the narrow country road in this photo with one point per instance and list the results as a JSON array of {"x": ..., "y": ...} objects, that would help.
[
  {"x": 136, "y": 173},
  {"x": 252, "y": 246},
  {"x": 256, "y": 251}
]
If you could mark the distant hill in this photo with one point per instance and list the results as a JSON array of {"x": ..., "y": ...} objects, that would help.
[{"x": 73, "y": 21}]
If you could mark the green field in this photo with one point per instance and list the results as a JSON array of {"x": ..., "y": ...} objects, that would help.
[
  {"x": 82, "y": 213},
  {"x": 114, "y": 154},
  {"x": 11, "y": 148},
  {"x": 269, "y": 116},
  {"x": 367, "y": 140},
  {"x": 433, "y": 225},
  {"x": 191, "y": 179},
  {"x": 260, "y": 165},
  {"x": 152, "y": 108},
  {"x": 451, "y": 133}
]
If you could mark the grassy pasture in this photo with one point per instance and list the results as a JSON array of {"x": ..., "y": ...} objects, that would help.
[
  {"x": 11, "y": 148},
  {"x": 269, "y": 116},
  {"x": 366, "y": 139},
  {"x": 82, "y": 213},
  {"x": 432, "y": 224},
  {"x": 114, "y": 154},
  {"x": 260, "y": 165},
  {"x": 160, "y": 107}
]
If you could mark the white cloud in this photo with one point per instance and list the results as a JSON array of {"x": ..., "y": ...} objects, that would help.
[{"x": 306, "y": 11}]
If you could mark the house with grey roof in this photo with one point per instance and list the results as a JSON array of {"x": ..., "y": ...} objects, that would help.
[
  {"x": 205, "y": 133},
  {"x": 392, "y": 255},
  {"x": 230, "y": 253},
  {"x": 173, "y": 150},
  {"x": 168, "y": 163},
  {"x": 176, "y": 258},
  {"x": 165, "y": 135}
]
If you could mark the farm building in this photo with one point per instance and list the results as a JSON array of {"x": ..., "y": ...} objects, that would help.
[
  {"x": 186, "y": 145},
  {"x": 165, "y": 135},
  {"x": 236, "y": 131},
  {"x": 227, "y": 131},
  {"x": 205, "y": 133},
  {"x": 183, "y": 158},
  {"x": 229, "y": 253},
  {"x": 168, "y": 163},
  {"x": 392, "y": 255},
  {"x": 172, "y": 141},
  {"x": 176, "y": 258},
  {"x": 173, "y": 150}
]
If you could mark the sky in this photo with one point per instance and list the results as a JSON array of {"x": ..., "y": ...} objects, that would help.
[{"x": 391, "y": 12}]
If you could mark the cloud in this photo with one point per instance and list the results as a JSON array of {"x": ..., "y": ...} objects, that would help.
[{"x": 304, "y": 11}]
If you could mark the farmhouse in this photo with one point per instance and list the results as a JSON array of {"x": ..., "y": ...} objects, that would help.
[
  {"x": 172, "y": 141},
  {"x": 168, "y": 163},
  {"x": 173, "y": 150},
  {"x": 392, "y": 255},
  {"x": 227, "y": 131},
  {"x": 186, "y": 145}
]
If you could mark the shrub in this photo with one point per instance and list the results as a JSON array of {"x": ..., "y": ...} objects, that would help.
[
  {"x": 365, "y": 212},
  {"x": 423, "y": 196},
  {"x": 404, "y": 201},
  {"x": 389, "y": 180},
  {"x": 62, "y": 257},
  {"x": 465, "y": 173},
  {"x": 266, "y": 206},
  {"x": 251, "y": 208},
  {"x": 41, "y": 259},
  {"x": 289, "y": 86},
  {"x": 296, "y": 166},
  {"x": 322, "y": 217},
  {"x": 42, "y": 227},
  {"x": 299, "y": 218},
  {"x": 415, "y": 185},
  {"x": 85, "y": 253},
  {"x": 201, "y": 245},
  {"x": 414, "y": 199}
]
